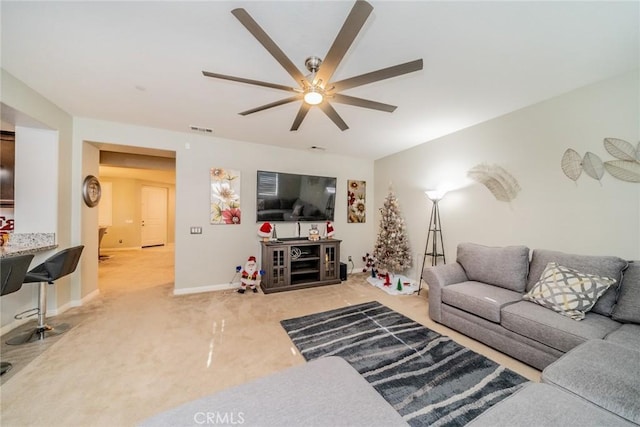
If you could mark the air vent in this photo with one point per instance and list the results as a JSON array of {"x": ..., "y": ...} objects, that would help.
[{"x": 200, "y": 129}]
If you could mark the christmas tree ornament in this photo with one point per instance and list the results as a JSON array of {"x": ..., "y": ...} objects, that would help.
[{"x": 399, "y": 286}]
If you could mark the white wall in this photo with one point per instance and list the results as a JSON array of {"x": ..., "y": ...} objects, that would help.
[
  {"x": 49, "y": 200},
  {"x": 89, "y": 230},
  {"x": 36, "y": 184},
  {"x": 551, "y": 211},
  {"x": 208, "y": 260}
]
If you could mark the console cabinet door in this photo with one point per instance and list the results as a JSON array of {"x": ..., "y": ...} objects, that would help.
[
  {"x": 277, "y": 271},
  {"x": 330, "y": 261}
]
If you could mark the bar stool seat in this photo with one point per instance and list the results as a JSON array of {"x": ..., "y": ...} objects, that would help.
[
  {"x": 59, "y": 265},
  {"x": 12, "y": 273}
]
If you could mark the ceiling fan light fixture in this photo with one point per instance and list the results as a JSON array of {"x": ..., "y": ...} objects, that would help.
[{"x": 313, "y": 96}]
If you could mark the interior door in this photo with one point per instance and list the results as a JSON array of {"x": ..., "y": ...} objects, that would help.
[{"x": 154, "y": 216}]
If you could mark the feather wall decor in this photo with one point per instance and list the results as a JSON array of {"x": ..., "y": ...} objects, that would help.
[{"x": 501, "y": 183}]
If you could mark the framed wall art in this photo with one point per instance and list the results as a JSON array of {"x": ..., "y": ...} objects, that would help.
[
  {"x": 225, "y": 196},
  {"x": 356, "y": 201}
]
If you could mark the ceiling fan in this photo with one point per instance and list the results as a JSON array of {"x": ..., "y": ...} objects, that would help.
[{"x": 317, "y": 89}]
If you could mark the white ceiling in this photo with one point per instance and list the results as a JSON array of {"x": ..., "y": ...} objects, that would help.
[{"x": 141, "y": 63}]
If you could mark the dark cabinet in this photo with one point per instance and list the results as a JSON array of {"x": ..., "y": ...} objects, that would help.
[{"x": 297, "y": 264}]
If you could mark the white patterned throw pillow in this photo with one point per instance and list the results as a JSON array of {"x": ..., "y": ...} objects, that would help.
[{"x": 568, "y": 291}]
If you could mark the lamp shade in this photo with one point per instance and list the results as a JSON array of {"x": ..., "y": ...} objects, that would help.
[{"x": 435, "y": 195}]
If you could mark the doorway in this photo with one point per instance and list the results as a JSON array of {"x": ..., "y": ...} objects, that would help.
[{"x": 139, "y": 241}]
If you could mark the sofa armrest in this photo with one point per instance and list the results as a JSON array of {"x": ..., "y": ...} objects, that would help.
[{"x": 438, "y": 277}]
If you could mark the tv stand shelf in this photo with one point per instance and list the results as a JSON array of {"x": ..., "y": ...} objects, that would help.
[{"x": 290, "y": 264}]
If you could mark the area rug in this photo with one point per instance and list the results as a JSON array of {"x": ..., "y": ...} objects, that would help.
[{"x": 427, "y": 377}]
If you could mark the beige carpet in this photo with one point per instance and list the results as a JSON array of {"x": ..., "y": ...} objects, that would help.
[{"x": 137, "y": 350}]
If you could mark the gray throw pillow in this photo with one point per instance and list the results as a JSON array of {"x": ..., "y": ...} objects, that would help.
[
  {"x": 568, "y": 291},
  {"x": 628, "y": 305},
  {"x": 506, "y": 267},
  {"x": 605, "y": 266}
]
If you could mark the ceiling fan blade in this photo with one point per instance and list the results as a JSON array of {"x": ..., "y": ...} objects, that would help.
[
  {"x": 365, "y": 103},
  {"x": 350, "y": 29},
  {"x": 266, "y": 41},
  {"x": 374, "y": 76},
  {"x": 333, "y": 115},
  {"x": 249, "y": 81},
  {"x": 271, "y": 105},
  {"x": 302, "y": 113}
]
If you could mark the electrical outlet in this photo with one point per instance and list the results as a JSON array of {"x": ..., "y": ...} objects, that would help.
[
  {"x": 349, "y": 258},
  {"x": 196, "y": 230}
]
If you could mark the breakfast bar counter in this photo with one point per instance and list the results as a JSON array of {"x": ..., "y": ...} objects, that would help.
[{"x": 28, "y": 243}]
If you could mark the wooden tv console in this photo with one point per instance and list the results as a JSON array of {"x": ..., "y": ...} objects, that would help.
[{"x": 290, "y": 264}]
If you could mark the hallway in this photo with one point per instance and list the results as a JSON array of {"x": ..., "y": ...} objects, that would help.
[{"x": 135, "y": 269}]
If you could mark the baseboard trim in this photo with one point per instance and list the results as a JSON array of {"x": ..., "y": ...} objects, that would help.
[
  {"x": 207, "y": 288},
  {"x": 72, "y": 304},
  {"x": 131, "y": 248},
  {"x": 51, "y": 312}
]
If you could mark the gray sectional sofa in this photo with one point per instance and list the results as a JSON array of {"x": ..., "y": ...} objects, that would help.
[
  {"x": 591, "y": 366},
  {"x": 481, "y": 295},
  {"x": 594, "y": 384}
]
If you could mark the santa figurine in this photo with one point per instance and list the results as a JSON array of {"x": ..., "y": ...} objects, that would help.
[
  {"x": 329, "y": 230},
  {"x": 265, "y": 231},
  {"x": 250, "y": 276}
]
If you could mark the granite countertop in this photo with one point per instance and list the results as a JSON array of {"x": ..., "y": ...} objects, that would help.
[{"x": 28, "y": 243}]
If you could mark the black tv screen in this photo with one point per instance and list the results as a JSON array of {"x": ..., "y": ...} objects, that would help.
[{"x": 295, "y": 198}]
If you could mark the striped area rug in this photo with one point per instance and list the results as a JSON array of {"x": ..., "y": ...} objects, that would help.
[{"x": 428, "y": 378}]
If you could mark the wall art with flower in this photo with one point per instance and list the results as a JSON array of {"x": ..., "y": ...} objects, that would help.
[
  {"x": 356, "y": 201},
  {"x": 225, "y": 196}
]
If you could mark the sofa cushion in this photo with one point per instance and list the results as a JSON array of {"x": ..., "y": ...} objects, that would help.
[
  {"x": 628, "y": 335},
  {"x": 603, "y": 373},
  {"x": 545, "y": 405},
  {"x": 479, "y": 298},
  {"x": 323, "y": 392},
  {"x": 627, "y": 307},
  {"x": 506, "y": 267},
  {"x": 552, "y": 329},
  {"x": 568, "y": 291},
  {"x": 606, "y": 266}
]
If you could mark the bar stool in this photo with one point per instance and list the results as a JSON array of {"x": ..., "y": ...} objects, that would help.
[
  {"x": 12, "y": 273},
  {"x": 55, "y": 267}
]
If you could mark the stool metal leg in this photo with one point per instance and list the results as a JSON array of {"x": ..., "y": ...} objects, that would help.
[{"x": 42, "y": 330}]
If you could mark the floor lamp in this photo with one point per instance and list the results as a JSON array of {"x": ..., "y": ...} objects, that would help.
[{"x": 435, "y": 245}]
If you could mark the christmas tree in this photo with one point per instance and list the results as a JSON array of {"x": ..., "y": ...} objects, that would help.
[{"x": 392, "y": 250}]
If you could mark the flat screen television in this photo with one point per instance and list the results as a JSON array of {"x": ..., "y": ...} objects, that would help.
[{"x": 288, "y": 197}]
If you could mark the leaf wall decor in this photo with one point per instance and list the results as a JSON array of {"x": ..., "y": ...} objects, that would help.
[
  {"x": 620, "y": 149},
  {"x": 593, "y": 166},
  {"x": 638, "y": 153},
  {"x": 625, "y": 170},
  {"x": 572, "y": 164}
]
